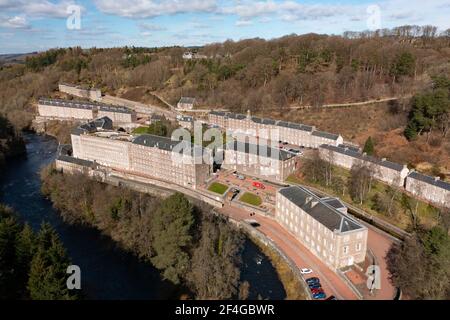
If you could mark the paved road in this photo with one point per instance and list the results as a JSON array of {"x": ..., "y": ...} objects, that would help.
[
  {"x": 331, "y": 283},
  {"x": 380, "y": 242}
]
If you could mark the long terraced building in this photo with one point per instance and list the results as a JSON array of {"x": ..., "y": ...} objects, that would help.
[
  {"x": 84, "y": 110},
  {"x": 293, "y": 133}
]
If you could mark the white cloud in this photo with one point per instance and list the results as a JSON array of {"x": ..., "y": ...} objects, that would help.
[
  {"x": 152, "y": 8},
  {"x": 243, "y": 23},
  {"x": 145, "y": 26},
  {"x": 37, "y": 8},
  {"x": 15, "y": 22}
]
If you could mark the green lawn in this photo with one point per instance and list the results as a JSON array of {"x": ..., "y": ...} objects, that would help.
[
  {"x": 141, "y": 130},
  {"x": 218, "y": 188},
  {"x": 251, "y": 198}
]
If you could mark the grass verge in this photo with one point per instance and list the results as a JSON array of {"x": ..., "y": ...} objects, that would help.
[
  {"x": 218, "y": 188},
  {"x": 251, "y": 198}
]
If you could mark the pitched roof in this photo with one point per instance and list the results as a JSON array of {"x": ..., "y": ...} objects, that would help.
[
  {"x": 103, "y": 123},
  {"x": 167, "y": 144},
  {"x": 358, "y": 155},
  {"x": 89, "y": 105},
  {"x": 81, "y": 162},
  {"x": 219, "y": 113},
  {"x": 260, "y": 150},
  {"x": 187, "y": 100},
  {"x": 430, "y": 180},
  {"x": 325, "y": 135},
  {"x": 322, "y": 212},
  {"x": 117, "y": 109}
]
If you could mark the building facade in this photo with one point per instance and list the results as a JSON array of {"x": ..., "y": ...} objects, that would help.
[
  {"x": 431, "y": 189},
  {"x": 117, "y": 114},
  {"x": 145, "y": 155},
  {"x": 186, "y": 122},
  {"x": 64, "y": 109},
  {"x": 334, "y": 237},
  {"x": 293, "y": 133},
  {"x": 186, "y": 103},
  {"x": 259, "y": 160},
  {"x": 386, "y": 171},
  {"x": 82, "y": 110},
  {"x": 82, "y": 92}
]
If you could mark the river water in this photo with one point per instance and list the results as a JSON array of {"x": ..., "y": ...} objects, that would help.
[{"x": 107, "y": 271}]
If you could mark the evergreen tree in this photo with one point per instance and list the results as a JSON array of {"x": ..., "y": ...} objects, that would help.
[
  {"x": 171, "y": 225},
  {"x": 25, "y": 249},
  {"x": 369, "y": 147},
  {"x": 9, "y": 229},
  {"x": 47, "y": 278}
]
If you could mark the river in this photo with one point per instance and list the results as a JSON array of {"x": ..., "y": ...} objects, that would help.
[{"x": 107, "y": 271}]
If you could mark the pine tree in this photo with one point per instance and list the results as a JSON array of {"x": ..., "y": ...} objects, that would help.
[
  {"x": 369, "y": 147},
  {"x": 47, "y": 278},
  {"x": 171, "y": 225},
  {"x": 9, "y": 228},
  {"x": 25, "y": 249}
]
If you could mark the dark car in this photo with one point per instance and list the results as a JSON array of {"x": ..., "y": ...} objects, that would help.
[
  {"x": 314, "y": 285},
  {"x": 316, "y": 290},
  {"x": 312, "y": 280},
  {"x": 331, "y": 298},
  {"x": 320, "y": 295}
]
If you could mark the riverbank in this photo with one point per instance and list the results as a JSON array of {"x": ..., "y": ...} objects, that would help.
[{"x": 134, "y": 220}]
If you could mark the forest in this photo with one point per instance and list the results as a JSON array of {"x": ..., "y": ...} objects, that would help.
[
  {"x": 253, "y": 74},
  {"x": 189, "y": 245},
  {"x": 33, "y": 264}
]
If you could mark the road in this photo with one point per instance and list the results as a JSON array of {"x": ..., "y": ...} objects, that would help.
[{"x": 303, "y": 258}]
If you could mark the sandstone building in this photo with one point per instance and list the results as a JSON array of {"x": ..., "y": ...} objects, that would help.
[
  {"x": 81, "y": 91},
  {"x": 83, "y": 110},
  {"x": 329, "y": 233},
  {"x": 259, "y": 160},
  {"x": 431, "y": 189},
  {"x": 145, "y": 155},
  {"x": 389, "y": 172},
  {"x": 293, "y": 133}
]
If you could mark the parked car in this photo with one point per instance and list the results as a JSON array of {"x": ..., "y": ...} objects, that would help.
[
  {"x": 258, "y": 185},
  {"x": 235, "y": 173},
  {"x": 331, "y": 298},
  {"x": 316, "y": 290},
  {"x": 241, "y": 177},
  {"x": 305, "y": 271},
  {"x": 312, "y": 280},
  {"x": 314, "y": 285},
  {"x": 320, "y": 295}
]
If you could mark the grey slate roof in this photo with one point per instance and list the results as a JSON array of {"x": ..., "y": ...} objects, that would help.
[
  {"x": 186, "y": 119},
  {"x": 320, "y": 211},
  {"x": 256, "y": 119},
  {"x": 81, "y": 162},
  {"x": 260, "y": 150},
  {"x": 358, "y": 155},
  {"x": 187, "y": 100},
  {"x": 268, "y": 121},
  {"x": 237, "y": 116},
  {"x": 103, "y": 123},
  {"x": 166, "y": 144},
  {"x": 325, "y": 135},
  {"x": 430, "y": 180},
  {"x": 219, "y": 113},
  {"x": 351, "y": 148},
  {"x": 117, "y": 109},
  {"x": 84, "y": 105}
]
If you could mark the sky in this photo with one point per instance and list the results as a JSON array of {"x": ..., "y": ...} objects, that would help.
[{"x": 37, "y": 25}]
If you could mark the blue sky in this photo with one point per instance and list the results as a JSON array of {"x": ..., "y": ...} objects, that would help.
[{"x": 35, "y": 25}]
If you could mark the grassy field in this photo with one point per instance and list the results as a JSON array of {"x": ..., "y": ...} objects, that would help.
[
  {"x": 251, "y": 198},
  {"x": 218, "y": 188},
  {"x": 141, "y": 130}
]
